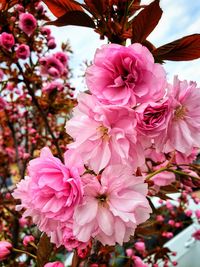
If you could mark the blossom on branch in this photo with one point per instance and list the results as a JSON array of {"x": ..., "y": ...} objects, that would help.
[
  {"x": 125, "y": 75},
  {"x": 114, "y": 204}
]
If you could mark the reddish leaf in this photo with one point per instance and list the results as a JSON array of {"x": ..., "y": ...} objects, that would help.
[
  {"x": 186, "y": 48},
  {"x": 145, "y": 22},
  {"x": 44, "y": 250},
  {"x": 77, "y": 18},
  {"x": 96, "y": 6},
  {"x": 61, "y": 7},
  {"x": 3, "y": 5}
]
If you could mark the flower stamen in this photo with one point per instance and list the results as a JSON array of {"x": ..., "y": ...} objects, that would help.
[{"x": 180, "y": 113}]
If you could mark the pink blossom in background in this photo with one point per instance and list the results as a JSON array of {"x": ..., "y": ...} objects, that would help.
[
  {"x": 138, "y": 262},
  {"x": 28, "y": 239},
  {"x": 125, "y": 75},
  {"x": 19, "y": 8},
  {"x": 183, "y": 131},
  {"x": 45, "y": 31},
  {"x": 51, "y": 43},
  {"x": 197, "y": 213},
  {"x": 54, "y": 85},
  {"x": 27, "y": 23},
  {"x": 23, "y": 51},
  {"x": 104, "y": 135},
  {"x": 62, "y": 57},
  {"x": 52, "y": 66},
  {"x": 23, "y": 222},
  {"x": 140, "y": 246},
  {"x": 54, "y": 264},
  {"x": 3, "y": 103},
  {"x": 50, "y": 192},
  {"x": 114, "y": 204},
  {"x": 1, "y": 75},
  {"x": 7, "y": 40},
  {"x": 196, "y": 235},
  {"x": 5, "y": 249}
]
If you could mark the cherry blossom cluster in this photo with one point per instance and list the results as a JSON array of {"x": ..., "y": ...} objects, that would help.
[{"x": 131, "y": 119}]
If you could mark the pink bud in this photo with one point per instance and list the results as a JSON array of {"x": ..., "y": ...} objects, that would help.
[
  {"x": 196, "y": 235},
  {"x": 129, "y": 252},
  {"x": 23, "y": 51},
  {"x": 159, "y": 218},
  {"x": 5, "y": 249},
  {"x": 178, "y": 224},
  {"x": 197, "y": 213},
  {"x": 140, "y": 246},
  {"x": 46, "y": 31},
  {"x": 51, "y": 44},
  {"x": 188, "y": 213},
  {"x": 167, "y": 234},
  {"x": 54, "y": 264},
  {"x": 7, "y": 40},
  {"x": 28, "y": 239},
  {"x": 23, "y": 222},
  {"x": 171, "y": 222}
]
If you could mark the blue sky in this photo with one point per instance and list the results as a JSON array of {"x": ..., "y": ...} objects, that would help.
[{"x": 180, "y": 18}]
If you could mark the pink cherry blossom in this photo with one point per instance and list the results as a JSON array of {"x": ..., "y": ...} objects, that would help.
[
  {"x": 54, "y": 264},
  {"x": 7, "y": 40},
  {"x": 153, "y": 119},
  {"x": 63, "y": 235},
  {"x": 181, "y": 158},
  {"x": 23, "y": 51},
  {"x": 163, "y": 178},
  {"x": 27, "y": 23},
  {"x": 50, "y": 192},
  {"x": 125, "y": 75},
  {"x": 104, "y": 134},
  {"x": 114, "y": 204},
  {"x": 183, "y": 129},
  {"x": 5, "y": 249}
]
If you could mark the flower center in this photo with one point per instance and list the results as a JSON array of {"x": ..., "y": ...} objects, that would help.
[
  {"x": 102, "y": 198},
  {"x": 180, "y": 113},
  {"x": 104, "y": 132}
]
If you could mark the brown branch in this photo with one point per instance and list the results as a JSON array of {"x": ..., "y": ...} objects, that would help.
[{"x": 42, "y": 113}]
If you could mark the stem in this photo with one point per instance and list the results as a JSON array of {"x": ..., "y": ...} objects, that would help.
[
  {"x": 156, "y": 172},
  {"x": 10, "y": 125},
  {"x": 183, "y": 173},
  {"x": 25, "y": 252},
  {"x": 43, "y": 115},
  {"x": 170, "y": 170}
]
